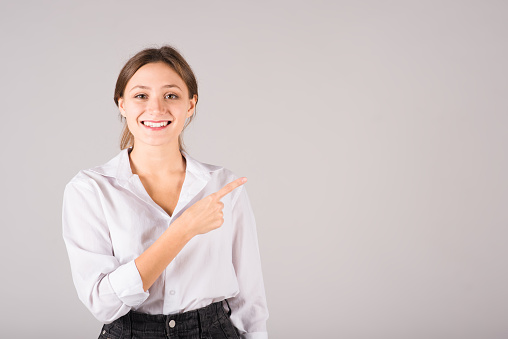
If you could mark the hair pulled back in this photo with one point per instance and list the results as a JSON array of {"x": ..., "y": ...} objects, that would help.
[{"x": 170, "y": 56}]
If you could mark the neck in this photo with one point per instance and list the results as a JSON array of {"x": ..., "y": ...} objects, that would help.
[{"x": 147, "y": 160}]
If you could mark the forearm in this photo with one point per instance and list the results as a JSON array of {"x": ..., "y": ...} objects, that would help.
[{"x": 152, "y": 262}]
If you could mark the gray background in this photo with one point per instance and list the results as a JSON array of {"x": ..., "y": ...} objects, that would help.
[{"x": 373, "y": 134}]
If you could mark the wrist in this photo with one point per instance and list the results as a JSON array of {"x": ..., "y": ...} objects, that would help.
[{"x": 181, "y": 229}]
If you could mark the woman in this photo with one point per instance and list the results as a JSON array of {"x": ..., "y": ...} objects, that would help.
[{"x": 157, "y": 240}]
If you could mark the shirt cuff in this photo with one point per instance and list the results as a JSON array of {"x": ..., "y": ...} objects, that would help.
[
  {"x": 127, "y": 284},
  {"x": 255, "y": 335}
]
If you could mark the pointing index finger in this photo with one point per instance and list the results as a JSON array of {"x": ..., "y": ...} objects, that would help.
[{"x": 230, "y": 187}]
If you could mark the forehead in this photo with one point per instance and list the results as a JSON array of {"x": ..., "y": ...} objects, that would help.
[{"x": 155, "y": 74}]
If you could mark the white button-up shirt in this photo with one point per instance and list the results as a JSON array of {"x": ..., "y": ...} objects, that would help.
[{"x": 109, "y": 220}]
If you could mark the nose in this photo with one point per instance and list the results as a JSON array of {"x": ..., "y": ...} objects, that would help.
[{"x": 155, "y": 106}]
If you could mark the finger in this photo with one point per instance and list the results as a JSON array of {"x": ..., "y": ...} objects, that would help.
[{"x": 229, "y": 188}]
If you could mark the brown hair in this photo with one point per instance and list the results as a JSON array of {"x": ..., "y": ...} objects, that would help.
[{"x": 173, "y": 59}]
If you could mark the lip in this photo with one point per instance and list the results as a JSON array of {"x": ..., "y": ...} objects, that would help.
[{"x": 156, "y": 121}]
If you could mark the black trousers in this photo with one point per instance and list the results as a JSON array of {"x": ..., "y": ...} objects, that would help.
[{"x": 210, "y": 322}]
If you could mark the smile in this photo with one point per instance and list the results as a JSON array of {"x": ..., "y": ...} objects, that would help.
[{"x": 156, "y": 124}]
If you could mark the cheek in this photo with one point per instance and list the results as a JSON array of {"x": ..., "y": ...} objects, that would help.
[
  {"x": 132, "y": 111},
  {"x": 131, "y": 119}
]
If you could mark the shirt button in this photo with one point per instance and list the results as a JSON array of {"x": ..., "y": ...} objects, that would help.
[
  {"x": 172, "y": 323},
  {"x": 172, "y": 292}
]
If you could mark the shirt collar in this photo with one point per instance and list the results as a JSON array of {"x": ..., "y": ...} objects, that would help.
[{"x": 119, "y": 167}]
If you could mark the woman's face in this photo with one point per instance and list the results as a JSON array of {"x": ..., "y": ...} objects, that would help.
[{"x": 155, "y": 104}]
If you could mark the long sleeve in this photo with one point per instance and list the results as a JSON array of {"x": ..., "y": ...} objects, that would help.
[
  {"x": 108, "y": 288},
  {"x": 249, "y": 308}
]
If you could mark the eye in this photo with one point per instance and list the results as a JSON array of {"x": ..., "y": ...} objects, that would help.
[
  {"x": 171, "y": 96},
  {"x": 140, "y": 96}
]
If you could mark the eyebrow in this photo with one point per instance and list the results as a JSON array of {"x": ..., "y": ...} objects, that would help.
[{"x": 146, "y": 87}]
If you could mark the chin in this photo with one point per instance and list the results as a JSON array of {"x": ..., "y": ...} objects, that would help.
[{"x": 159, "y": 143}]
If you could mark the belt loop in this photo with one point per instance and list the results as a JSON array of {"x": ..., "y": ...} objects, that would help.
[
  {"x": 229, "y": 312},
  {"x": 199, "y": 324}
]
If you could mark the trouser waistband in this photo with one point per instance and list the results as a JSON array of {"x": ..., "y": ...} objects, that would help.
[{"x": 172, "y": 324}]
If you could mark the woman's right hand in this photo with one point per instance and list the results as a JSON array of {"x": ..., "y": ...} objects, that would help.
[{"x": 206, "y": 214}]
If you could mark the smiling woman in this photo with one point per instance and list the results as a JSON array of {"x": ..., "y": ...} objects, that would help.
[
  {"x": 139, "y": 230},
  {"x": 181, "y": 74},
  {"x": 156, "y": 99}
]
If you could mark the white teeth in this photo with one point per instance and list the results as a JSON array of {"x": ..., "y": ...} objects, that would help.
[{"x": 156, "y": 124}]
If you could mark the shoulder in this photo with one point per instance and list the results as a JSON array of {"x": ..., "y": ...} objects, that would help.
[
  {"x": 221, "y": 172},
  {"x": 219, "y": 175},
  {"x": 83, "y": 179},
  {"x": 95, "y": 176},
  {"x": 216, "y": 172}
]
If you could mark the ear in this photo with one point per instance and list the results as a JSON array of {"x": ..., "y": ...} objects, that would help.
[
  {"x": 121, "y": 107},
  {"x": 192, "y": 106}
]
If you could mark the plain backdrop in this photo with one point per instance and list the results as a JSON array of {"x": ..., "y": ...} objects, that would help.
[{"x": 373, "y": 134}]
